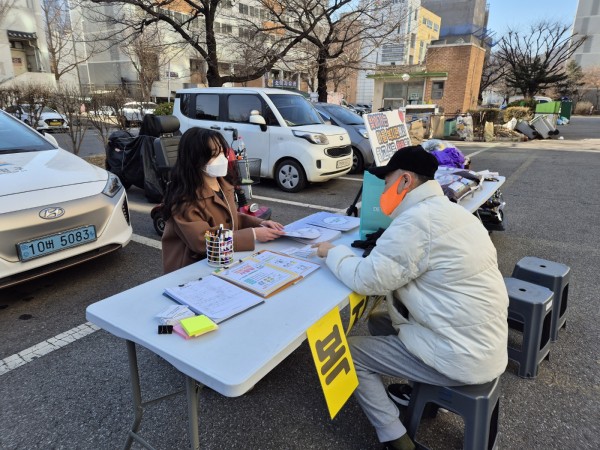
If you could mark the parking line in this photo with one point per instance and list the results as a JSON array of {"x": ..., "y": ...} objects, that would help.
[
  {"x": 48, "y": 346},
  {"x": 304, "y": 205},
  {"x": 146, "y": 241}
]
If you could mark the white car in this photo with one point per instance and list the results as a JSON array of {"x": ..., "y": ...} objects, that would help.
[
  {"x": 56, "y": 210},
  {"x": 134, "y": 112},
  {"x": 48, "y": 119}
]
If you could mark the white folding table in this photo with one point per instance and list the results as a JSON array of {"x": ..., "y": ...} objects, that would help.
[{"x": 232, "y": 359}]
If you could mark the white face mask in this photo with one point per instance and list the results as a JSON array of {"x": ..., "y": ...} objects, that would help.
[{"x": 217, "y": 167}]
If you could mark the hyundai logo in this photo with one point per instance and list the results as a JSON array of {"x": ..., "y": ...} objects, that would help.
[
  {"x": 51, "y": 213},
  {"x": 341, "y": 138}
]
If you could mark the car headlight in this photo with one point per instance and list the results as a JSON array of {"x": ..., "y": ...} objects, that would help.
[
  {"x": 363, "y": 133},
  {"x": 314, "y": 138},
  {"x": 113, "y": 185}
]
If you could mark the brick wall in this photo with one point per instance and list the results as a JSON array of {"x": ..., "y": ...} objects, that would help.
[{"x": 464, "y": 65}]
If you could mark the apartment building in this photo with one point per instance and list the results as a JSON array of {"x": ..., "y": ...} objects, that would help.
[
  {"x": 406, "y": 47},
  {"x": 587, "y": 23},
  {"x": 23, "y": 49}
]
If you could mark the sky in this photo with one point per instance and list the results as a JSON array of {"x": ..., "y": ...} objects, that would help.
[{"x": 522, "y": 13}]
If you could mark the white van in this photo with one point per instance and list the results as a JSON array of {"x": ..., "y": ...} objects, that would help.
[{"x": 280, "y": 127}]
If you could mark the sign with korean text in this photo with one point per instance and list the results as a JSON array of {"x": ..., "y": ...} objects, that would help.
[
  {"x": 387, "y": 133},
  {"x": 332, "y": 359},
  {"x": 358, "y": 304}
]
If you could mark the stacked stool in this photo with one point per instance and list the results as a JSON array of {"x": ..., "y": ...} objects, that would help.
[
  {"x": 529, "y": 311},
  {"x": 552, "y": 275},
  {"x": 478, "y": 405}
]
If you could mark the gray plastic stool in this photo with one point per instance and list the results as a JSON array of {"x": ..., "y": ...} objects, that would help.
[
  {"x": 529, "y": 311},
  {"x": 555, "y": 276},
  {"x": 478, "y": 405}
]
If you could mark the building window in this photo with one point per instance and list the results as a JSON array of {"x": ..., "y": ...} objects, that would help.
[
  {"x": 436, "y": 27},
  {"x": 437, "y": 90}
]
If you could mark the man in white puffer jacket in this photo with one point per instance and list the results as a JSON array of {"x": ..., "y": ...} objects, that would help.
[{"x": 447, "y": 303}]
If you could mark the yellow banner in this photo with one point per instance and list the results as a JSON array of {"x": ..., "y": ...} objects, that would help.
[
  {"x": 358, "y": 305},
  {"x": 333, "y": 361}
]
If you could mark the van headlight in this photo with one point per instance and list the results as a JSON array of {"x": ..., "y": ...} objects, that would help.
[
  {"x": 363, "y": 133},
  {"x": 113, "y": 185},
  {"x": 314, "y": 138}
]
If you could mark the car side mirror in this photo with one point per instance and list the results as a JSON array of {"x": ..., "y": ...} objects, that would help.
[{"x": 256, "y": 119}]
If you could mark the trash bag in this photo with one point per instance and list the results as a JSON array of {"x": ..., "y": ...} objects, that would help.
[
  {"x": 433, "y": 144},
  {"x": 511, "y": 124},
  {"x": 153, "y": 183},
  {"x": 488, "y": 131},
  {"x": 464, "y": 127}
]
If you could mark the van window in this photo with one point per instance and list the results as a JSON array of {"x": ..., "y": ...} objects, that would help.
[
  {"x": 206, "y": 107},
  {"x": 295, "y": 109},
  {"x": 239, "y": 107}
]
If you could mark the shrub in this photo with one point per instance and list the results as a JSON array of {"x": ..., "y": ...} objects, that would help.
[
  {"x": 518, "y": 112},
  {"x": 164, "y": 109},
  {"x": 583, "y": 108}
]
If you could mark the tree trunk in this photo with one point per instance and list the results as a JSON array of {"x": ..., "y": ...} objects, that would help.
[{"x": 322, "y": 76}]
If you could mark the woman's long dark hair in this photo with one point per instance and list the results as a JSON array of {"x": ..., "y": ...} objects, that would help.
[{"x": 196, "y": 147}]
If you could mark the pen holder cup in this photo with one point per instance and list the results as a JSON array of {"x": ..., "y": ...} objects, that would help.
[{"x": 219, "y": 249}]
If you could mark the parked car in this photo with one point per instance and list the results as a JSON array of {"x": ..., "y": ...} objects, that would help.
[
  {"x": 280, "y": 127},
  {"x": 134, "y": 112},
  {"x": 362, "y": 155},
  {"x": 56, "y": 210},
  {"x": 48, "y": 119}
]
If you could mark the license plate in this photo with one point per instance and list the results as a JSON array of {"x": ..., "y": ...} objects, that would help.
[
  {"x": 55, "y": 242},
  {"x": 55, "y": 123},
  {"x": 343, "y": 163}
]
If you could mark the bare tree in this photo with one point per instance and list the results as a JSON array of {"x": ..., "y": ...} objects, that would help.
[
  {"x": 5, "y": 6},
  {"x": 194, "y": 22},
  {"x": 494, "y": 72},
  {"x": 103, "y": 111},
  {"x": 62, "y": 38},
  {"x": 536, "y": 59},
  {"x": 67, "y": 100},
  {"x": 36, "y": 96},
  {"x": 333, "y": 27}
]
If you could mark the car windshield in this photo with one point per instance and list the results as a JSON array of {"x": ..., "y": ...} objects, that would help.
[
  {"x": 295, "y": 109},
  {"x": 343, "y": 115},
  {"x": 16, "y": 138}
]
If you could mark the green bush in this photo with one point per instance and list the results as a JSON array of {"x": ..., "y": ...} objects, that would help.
[
  {"x": 164, "y": 109},
  {"x": 518, "y": 112},
  {"x": 480, "y": 116},
  {"x": 531, "y": 103}
]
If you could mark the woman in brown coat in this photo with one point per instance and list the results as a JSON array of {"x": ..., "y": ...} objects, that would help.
[{"x": 200, "y": 198}]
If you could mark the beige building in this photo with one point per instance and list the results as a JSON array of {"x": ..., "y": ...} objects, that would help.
[{"x": 23, "y": 49}]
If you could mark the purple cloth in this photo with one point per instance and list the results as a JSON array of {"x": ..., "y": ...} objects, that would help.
[{"x": 450, "y": 157}]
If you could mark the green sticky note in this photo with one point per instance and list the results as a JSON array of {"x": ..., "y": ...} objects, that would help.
[{"x": 197, "y": 325}]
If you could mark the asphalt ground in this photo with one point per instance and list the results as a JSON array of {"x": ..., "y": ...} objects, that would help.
[{"x": 78, "y": 397}]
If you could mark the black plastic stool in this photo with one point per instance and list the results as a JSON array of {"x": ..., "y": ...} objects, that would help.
[
  {"x": 529, "y": 311},
  {"x": 478, "y": 405},
  {"x": 555, "y": 276}
]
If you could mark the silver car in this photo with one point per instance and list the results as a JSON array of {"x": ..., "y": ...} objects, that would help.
[
  {"x": 134, "y": 112},
  {"x": 362, "y": 154},
  {"x": 56, "y": 209}
]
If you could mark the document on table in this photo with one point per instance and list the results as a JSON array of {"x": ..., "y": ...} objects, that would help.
[
  {"x": 299, "y": 266},
  {"x": 333, "y": 221},
  {"x": 213, "y": 297}
]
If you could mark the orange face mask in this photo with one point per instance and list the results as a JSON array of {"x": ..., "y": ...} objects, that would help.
[{"x": 390, "y": 199}]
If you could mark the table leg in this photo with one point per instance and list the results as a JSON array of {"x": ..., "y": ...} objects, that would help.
[
  {"x": 136, "y": 392},
  {"x": 192, "y": 389}
]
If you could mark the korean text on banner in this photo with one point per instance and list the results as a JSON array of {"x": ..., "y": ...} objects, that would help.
[
  {"x": 358, "y": 304},
  {"x": 332, "y": 360},
  {"x": 387, "y": 133}
]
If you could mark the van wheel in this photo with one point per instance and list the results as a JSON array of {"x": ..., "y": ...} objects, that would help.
[
  {"x": 357, "y": 161},
  {"x": 290, "y": 176}
]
